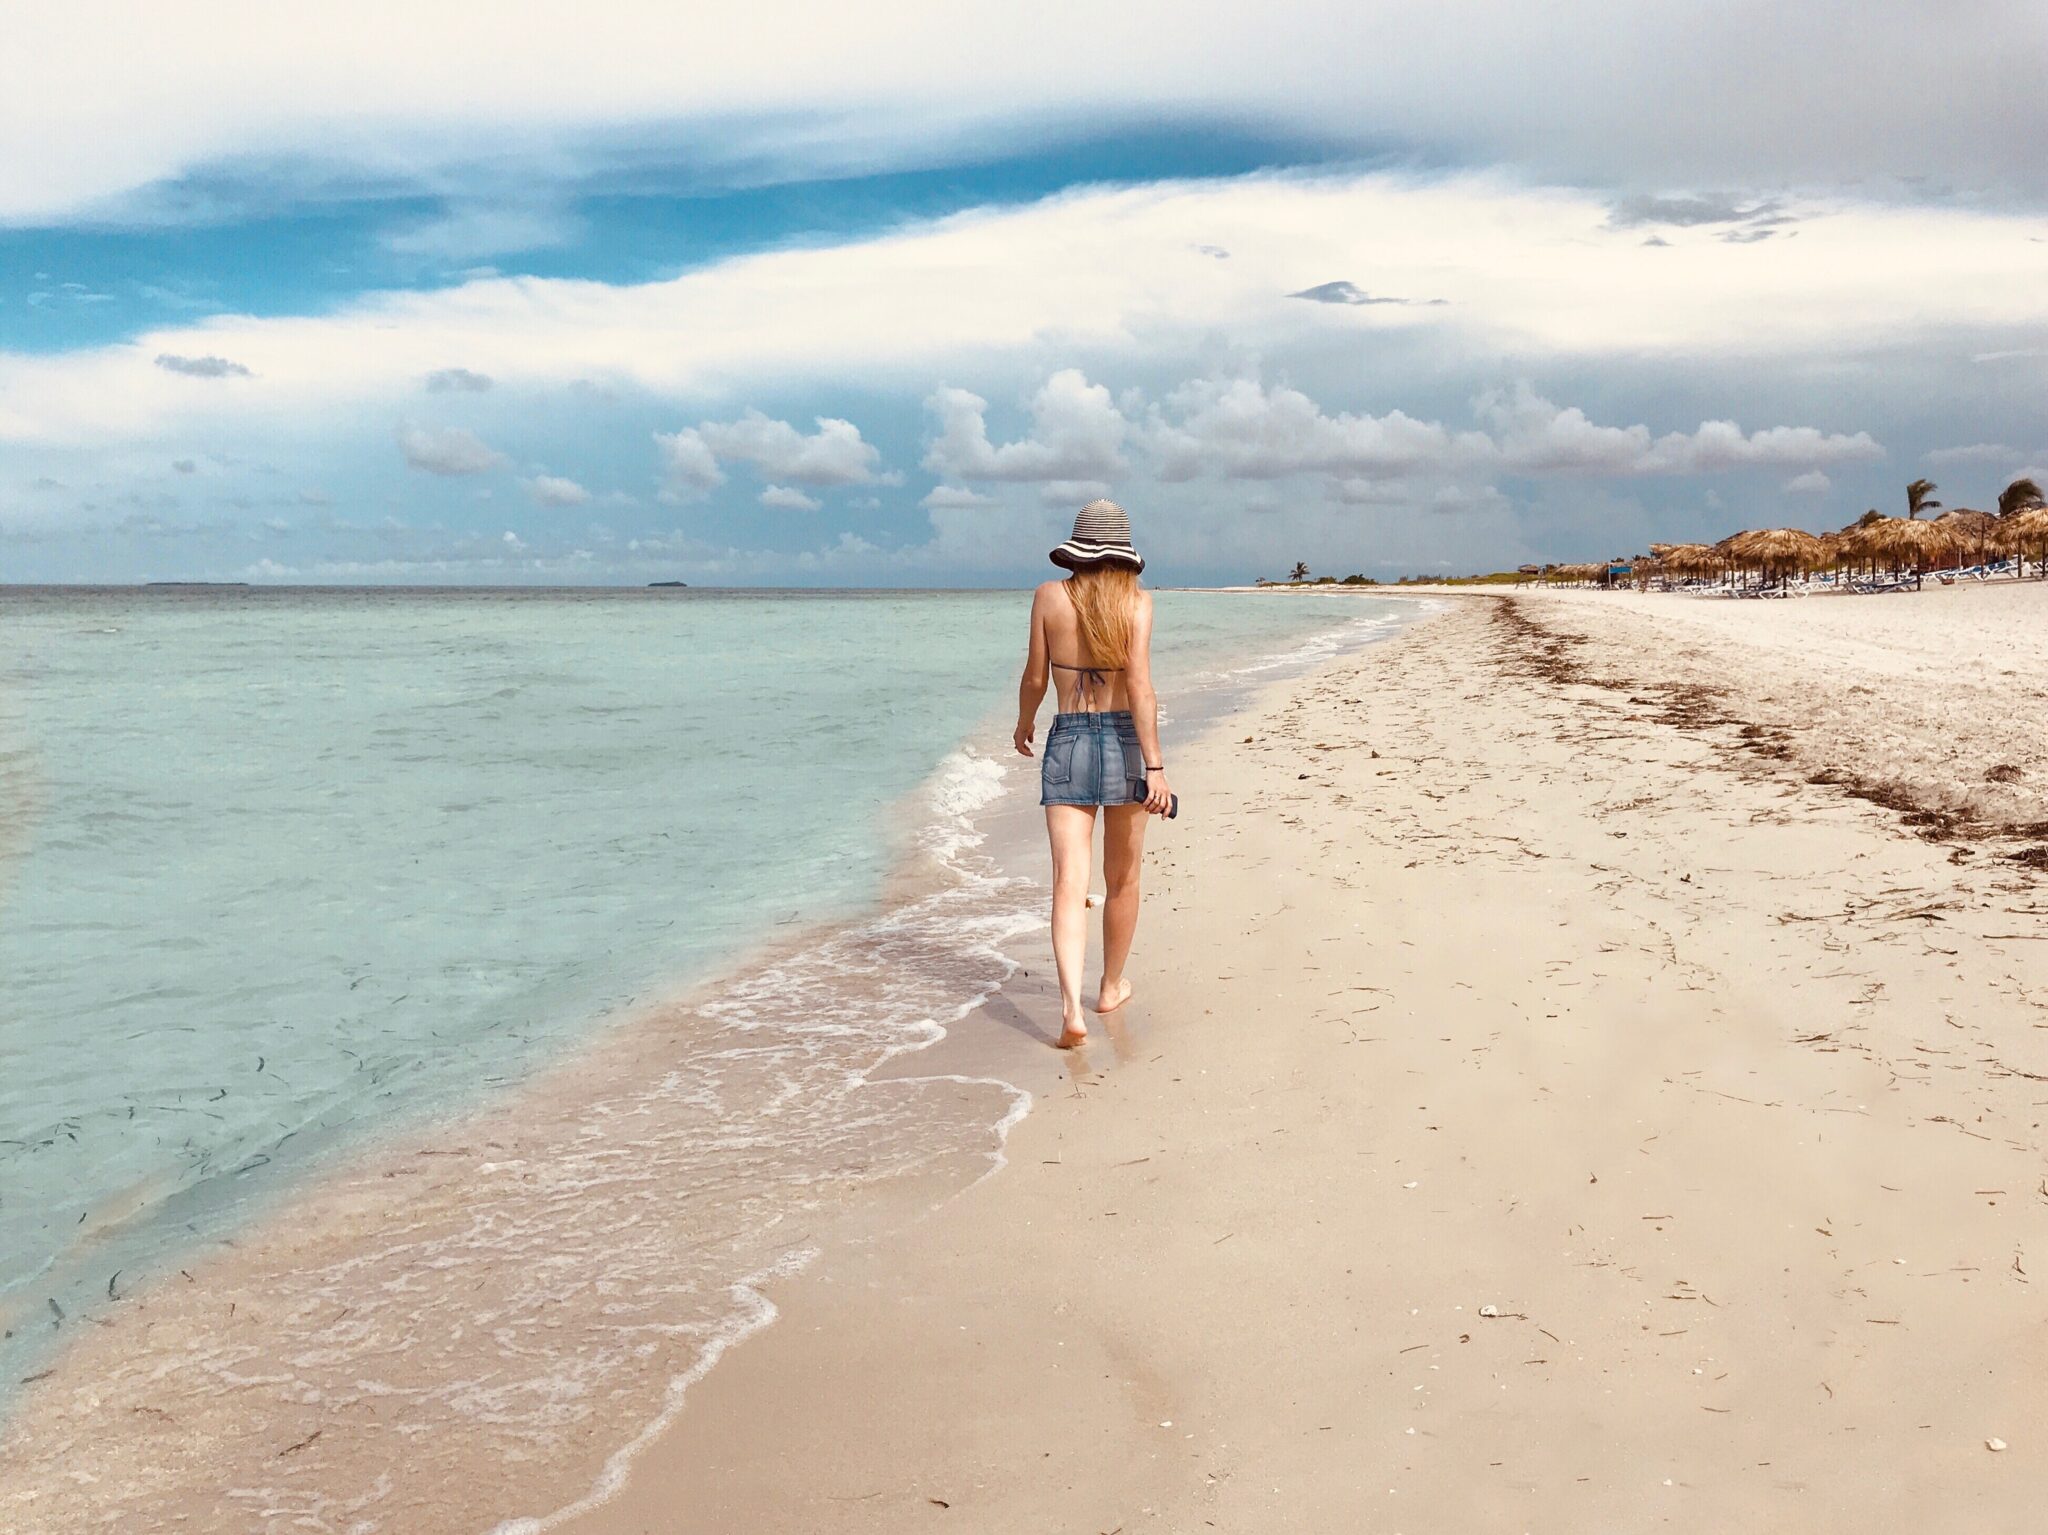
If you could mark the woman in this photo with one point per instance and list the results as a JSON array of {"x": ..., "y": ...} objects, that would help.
[{"x": 1093, "y": 633}]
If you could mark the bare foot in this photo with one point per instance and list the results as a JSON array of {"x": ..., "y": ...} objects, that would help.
[
  {"x": 1114, "y": 995},
  {"x": 1074, "y": 1033}
]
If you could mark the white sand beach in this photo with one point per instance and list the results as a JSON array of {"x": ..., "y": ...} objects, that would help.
[{"x": 1542, "y": 1109}]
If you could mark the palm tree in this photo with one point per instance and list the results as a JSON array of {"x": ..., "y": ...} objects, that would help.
[
  {"x": 1920, "y": 498},
  {"x": 1873, "y": 515},
  {"x": 2018, "y": 497},
  {"x": 1300, "y": 571}
]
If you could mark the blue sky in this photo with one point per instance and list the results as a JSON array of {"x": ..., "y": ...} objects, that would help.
[{"x": 357, "y": 295}]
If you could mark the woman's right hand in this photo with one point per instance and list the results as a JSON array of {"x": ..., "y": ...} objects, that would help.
[
  {"x": 1025, "y": 728},
  {"x": 1158, "y": 797}
]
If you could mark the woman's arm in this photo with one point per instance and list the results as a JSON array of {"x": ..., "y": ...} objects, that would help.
[
  {"x": 1145, "y": 706},
  {"x": 1031, "y": 690}
]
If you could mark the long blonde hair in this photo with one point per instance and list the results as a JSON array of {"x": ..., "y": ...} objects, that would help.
[{"x": 1105, "y": 599}]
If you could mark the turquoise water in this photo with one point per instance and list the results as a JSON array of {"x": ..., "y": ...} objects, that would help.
[{"x": 280, "y": 869}]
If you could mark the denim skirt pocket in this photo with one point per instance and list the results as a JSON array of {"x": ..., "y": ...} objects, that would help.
[{"x": 1059, "y": 758}]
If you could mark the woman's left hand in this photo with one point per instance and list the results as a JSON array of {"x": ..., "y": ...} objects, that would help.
[
  {"x": 1158, "y": 797},
  {"x": 1023, "y": 736}
]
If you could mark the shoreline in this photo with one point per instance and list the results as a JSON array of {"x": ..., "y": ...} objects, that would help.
[
  {"x": 1528, "y": 997},
  {"x": 339, "y": 1236}
]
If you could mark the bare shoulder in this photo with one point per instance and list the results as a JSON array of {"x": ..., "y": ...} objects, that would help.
[{"x": 1045, "y": 591}]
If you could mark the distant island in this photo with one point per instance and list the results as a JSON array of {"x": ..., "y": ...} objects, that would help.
[
  {"x": 195, "y": 583},
  {"x": 668, "y": 583}
]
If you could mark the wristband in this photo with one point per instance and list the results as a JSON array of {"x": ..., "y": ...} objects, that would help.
[{"x": 1155, "y": 768}]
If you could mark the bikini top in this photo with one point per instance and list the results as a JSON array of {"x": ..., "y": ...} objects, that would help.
[{"x": 1092, "y": 677}]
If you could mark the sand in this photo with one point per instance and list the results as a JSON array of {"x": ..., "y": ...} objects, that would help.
[{"x": 1543, "y": 1108}]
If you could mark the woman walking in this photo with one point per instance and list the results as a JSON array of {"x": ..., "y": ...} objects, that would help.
[{"x": 1091, "y": 635}]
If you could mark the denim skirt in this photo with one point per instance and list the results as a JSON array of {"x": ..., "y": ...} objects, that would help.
[{"x": 1091, "y": 759}]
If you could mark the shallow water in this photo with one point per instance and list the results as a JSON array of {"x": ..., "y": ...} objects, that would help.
[{"x": 281, "y": 870}]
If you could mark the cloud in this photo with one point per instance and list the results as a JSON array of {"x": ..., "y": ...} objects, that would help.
[
  {"x": 553, "y": 490},
  {"x": 1526, "y": 271},
  {"x": 1811, "y": 483},
  {"x": 787, "y": 498},
  {"x": 1661, "y": 96},
  {"x": 1341, "y": 292},
  {"x": 953, "y": 498},
  {"x": 1532, "y": 435},
  {"x": 201, "y": 367},
  {"x": 1976, "y": 453},
  {"x": 1721, "y": 208},
  {"x": 1077, "y": 433},
  {"x": 448, "y": 450},
  {"x": 689, "y": 468},
  {"x": 514, "y": 543},
  {"x": 185, "y": 465},
  {"x": 457, "y": 381},
  {"x": 1242, "y": 429},
  {"x": 832, "y": 455}
]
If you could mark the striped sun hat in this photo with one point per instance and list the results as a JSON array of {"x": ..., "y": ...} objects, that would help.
[{"x": 1102, "y": 536}]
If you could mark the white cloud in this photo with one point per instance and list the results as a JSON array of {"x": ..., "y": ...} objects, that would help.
[
  {"x": 514, "y": 543},
  {"x": 1244, "y": 430},
  {"x": 1663, "y": 95},
  {"x": 446, "y": 450},
  {"x": 553, "y": 490},
  {"x": 1534, "y": 436},
  {"x": 1077, "y": 433},
  {"x": 832, "y": 455},
  {"x": 688, "y": 466},
  {"x": 787, "y": 498},
  {"x": 1811, "y": 483},
  {"x": 1531, "y": 273}
]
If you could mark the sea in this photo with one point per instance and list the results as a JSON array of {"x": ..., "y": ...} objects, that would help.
[{"x": 624, "y": 906}]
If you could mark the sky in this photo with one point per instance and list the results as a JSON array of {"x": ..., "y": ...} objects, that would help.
[{"x": 613, "y": 292}]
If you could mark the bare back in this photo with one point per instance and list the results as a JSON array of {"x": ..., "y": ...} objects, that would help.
[{"x": 1077, "y": 684}]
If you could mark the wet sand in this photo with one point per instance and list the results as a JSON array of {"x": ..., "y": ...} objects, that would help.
[{"x": 1544, "y": 1107}]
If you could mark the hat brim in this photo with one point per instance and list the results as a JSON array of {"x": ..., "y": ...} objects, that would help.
[{"x": 1079, "y": 554}]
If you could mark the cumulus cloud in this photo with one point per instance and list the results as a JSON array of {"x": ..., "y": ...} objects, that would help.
[
  {"x": 688, "y": 466},
  {"x": 787, "y": 498},
  {"x": 1532, "y": 435},
  {"x": 554, "y": 490},
  {"x": 1077, "y": 433},
  {"x": 457, "y": 381},
  {"x": 201, "y": 367},
  {"x": 1242, "y": 429},
  {"x": 447, "y": 450},
  {"x": 1812, "y": 483},
  {"x": 834, "y": 454}
]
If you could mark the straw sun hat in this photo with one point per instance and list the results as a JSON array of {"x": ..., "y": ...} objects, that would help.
[{"x": 1102, "y": 536}]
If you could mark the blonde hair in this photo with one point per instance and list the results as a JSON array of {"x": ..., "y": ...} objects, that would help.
[{"x": 1105, "y": 599}]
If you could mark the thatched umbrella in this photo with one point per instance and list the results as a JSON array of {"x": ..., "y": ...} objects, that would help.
[
  {"x": 1686, "y": 559},
  {"x": 1908, "y": 543},
  {"x": 1776, "y": 551},
  {"x": 1976, "y": 533},
  {"x": 2026, "y": 532}
]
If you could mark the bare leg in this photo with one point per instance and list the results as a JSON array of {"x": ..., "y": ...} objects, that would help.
[
  {"x": 1071, "y": 829},
  {"x": 1123, "y": 853}
]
